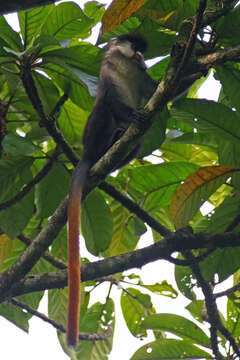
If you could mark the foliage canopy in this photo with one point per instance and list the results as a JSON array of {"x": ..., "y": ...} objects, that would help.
[{"x": 48, "y": 80}]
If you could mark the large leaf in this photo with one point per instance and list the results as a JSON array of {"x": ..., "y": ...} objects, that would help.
[
  {"x": 227, "y": 27},
  {"x": 14, "y": 173},
  {"x": 177, "y": 325},
  {"x": 97, "y": 224},
  {"x": 10, "y": 36},
  {"x": 156, "y": 184},
  {"x": 47, "y": 200},
  {"x": 175, "y": 151},
  {"x": 7, "y": 247},
  {"x": 124, "y": 238},
  {"x": 170, "y": 14},
  {"x": 209, "y": 117},
  {"x": 196, "y": 189},
  {"x": 70, "y": 81},
  {"x": 223, "y": 262},
  {"x": 71, "y": 122},
  {"x": 15, "y": 315},
  {"x": 134, "y": 305},
  {"x": 119, "y": 11},
  {"x": 96, "y": 320},
  {"x": 47, "y": 91},
  {"x": 14, "y": 144},
  {"x": 32, "y": 21},
  {"x": 163, "y": 349},
  {"x": 154, "y": 138},
  {"x": 233, "y": 318},
  {"x": 230, "y": 79},
  {"x": 14, "y": 219},
  {"x": 84, "y": 56},
  {"x": 67, "y": 21}
]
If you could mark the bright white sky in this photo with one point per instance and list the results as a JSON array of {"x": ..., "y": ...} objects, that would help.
[{"x": 42, "y": 343}]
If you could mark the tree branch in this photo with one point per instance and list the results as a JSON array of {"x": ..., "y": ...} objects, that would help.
[
  {"x": 82, "y": 335},
  {"x": 135, "y": 208},
  {"x": 16, "y": 5},
  {"x": 162, "y": 250}
]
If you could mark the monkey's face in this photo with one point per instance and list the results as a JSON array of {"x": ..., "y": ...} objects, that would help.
[{"x": 127, "y": 49}]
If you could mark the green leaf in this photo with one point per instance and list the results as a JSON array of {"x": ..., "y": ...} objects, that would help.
[
  {"x": 97, "y": 224},
  {"x": 134, "y": 305},
  {"x": 200, "y": 155},
  {"x": 170, "y": 349},
  {"x": 32, "y": 21},
  {"x": 124, "y": 238},
  {"x": 233, "y": 319},
  {"x": 157, "y": 183},
  {"x": 185, "y": 281},
  {"x": 85, "y": 57},
  {"x": 97, "y": 318},
  {"x": 14, "y": 144},
  {"x": 71, "y": 122},
  {"x": 67, "y": 21},
  {"x": 223, "y": 262},
  {"x": 57, "y": 305},
  {"x": 227, "y": 27},
  {"x": 177, "y": 325},
  {"x": 140, "y": 227},
  {"x": 10, "y": 36},
  {"x": 223, "y": 215},
  {"x": 47, "y": 91},
  {"x": 15, "y": 315},
  {"x": 94, "y": 10},
  {"x": 68, "y": 79},
  {"x": 47, "y": 200},
  {"x": 14, "y": 219},
  {"x": 229, "y": 154},
  {"x": 154, "y": 138},
  {"x": 209, "y": 117},
  {"x": 229, "y": 77},
  {"x": 164, "y": 289},
  {"x": 196, "y": 308}
]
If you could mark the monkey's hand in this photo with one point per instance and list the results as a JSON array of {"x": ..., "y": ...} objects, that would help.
[{"x": 139, "y": 116}]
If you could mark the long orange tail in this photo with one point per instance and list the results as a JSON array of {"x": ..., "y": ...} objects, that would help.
[{"x": 74, "y": 273}]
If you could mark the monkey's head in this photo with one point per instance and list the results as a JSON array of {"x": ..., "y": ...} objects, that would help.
[{"x": 129, "y": 45}]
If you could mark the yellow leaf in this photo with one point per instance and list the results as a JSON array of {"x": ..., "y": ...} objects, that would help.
[
  {"x": 196, "y": 189},
  {"x": 6, "y": 247},
  {"x": 118, "y": 12}
]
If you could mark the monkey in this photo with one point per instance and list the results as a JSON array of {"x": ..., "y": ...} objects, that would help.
[{"x": 124, "y": 86}]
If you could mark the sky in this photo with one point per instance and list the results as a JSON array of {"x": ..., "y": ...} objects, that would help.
[{"x": 42, "y": 343}]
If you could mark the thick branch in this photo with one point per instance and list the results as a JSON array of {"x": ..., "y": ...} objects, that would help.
[
  {"x": 135, "y": 259},
  {"x": 16, "y": 5},
  {"x": 219, "y": 57}
]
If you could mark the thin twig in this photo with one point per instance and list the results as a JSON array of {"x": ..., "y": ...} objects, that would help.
[
  {"x": 211, "y": 306},
  {"x": 135, "y": 208},
  {"x": 60, "y": 327},
  {"x": 28, "y": 187},
  {"x": 227, "y": 292},
  {"x": 59, "y": 264}
]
